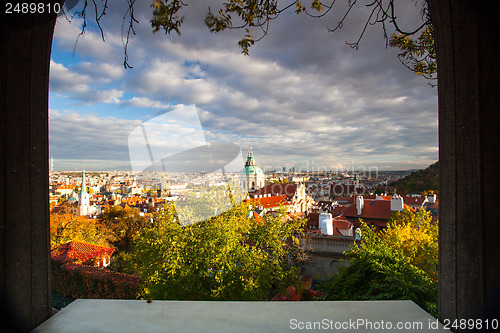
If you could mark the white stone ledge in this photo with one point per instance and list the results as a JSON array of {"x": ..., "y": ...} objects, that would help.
[{"x": 89, "y": 315}]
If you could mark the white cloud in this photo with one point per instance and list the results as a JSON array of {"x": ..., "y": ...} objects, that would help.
[
  {"x": 80, "y": 87},
  {"x": 302, "y": 94}
]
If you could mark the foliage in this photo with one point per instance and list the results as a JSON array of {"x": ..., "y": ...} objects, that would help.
[
  {"x": 67, "y": 227},
  {"x": 418, "y": 55},
  {"x": 280, "y": 181},
  {"x": 228, "y": 257},
  {"x": 258, "y": 14},
  {"x": 81, "y": 281},
  {"x": 205, "y": 201},
  {"x": 255, "y": 17},
  {"x": 166, "y": 17},
  {"x": 417, "y": 238},
  {"x": 121, "y": 263},
  {"x": 303, "y": 292},
  {"x": 419, "y": 181},
  {"x": 385, "y": 266},
  {"x": 123, "y": 224},
  {"x": 289, "y": 294}
]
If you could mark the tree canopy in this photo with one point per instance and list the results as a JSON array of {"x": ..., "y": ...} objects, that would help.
[
  {"x": 123, "y": 224},
  {"x": 419, "y": 181},
  {"x": 66, "y": 227},
  {"x": 228, "y": 257},
  {"x": 397, "y": 263}
]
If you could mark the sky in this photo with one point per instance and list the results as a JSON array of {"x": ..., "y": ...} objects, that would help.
[{"x": 302, "y": 98}]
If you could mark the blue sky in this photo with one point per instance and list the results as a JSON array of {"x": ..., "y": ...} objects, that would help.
[{"x": 302, "y": 97}]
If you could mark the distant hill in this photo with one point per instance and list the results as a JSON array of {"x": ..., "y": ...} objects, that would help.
[{"x": 419, "y": 181}]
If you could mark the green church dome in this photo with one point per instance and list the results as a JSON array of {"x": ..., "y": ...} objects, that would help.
[
  {"x": 250, "y": 167},
  {"x": 251, "y": 170}
]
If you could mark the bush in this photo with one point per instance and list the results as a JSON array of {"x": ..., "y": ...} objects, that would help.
[
  {"x": 382, "y": 268},
  {"x": 82, "y": 281},
  {"x": 228, "y": 257}
]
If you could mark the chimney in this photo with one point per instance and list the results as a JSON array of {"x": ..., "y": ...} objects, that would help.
[
  {"x": 397, "y": 203},
  {"x": 326, "y": 224},
  {"x": 360, "y": 204},
  {"x": 431, "y": 198}
]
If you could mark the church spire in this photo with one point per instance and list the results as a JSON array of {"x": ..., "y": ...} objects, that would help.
[
  {"x": 250, "y": 158},
  {"x": 84, "y": 183},
  {"x": 84, "y": 202}
]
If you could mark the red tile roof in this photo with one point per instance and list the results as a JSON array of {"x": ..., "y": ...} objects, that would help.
[
  {"x": 277, "y": 189},
  {"x": 313, "y": 219},
  {"x": 274, "y": 201},
  {"x": 339, "y": 210},
  {"x": 259, "y": 219},
  {"x": 373, "y": 209},
  {"x": 435, "y": 205},
  {"x": 79, "y": 251},
  {"x": 341, "y": 224},
  {"x": 341, "y": 200},
  {"x": 414, "y": 200}
]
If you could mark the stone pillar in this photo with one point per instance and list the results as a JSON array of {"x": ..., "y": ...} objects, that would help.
[
  {"x": 25, "y": 45},
  {"x": 466, "y": 35}
]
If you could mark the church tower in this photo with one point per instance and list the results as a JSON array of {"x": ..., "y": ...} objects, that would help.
[
  {"x": 84, "y": 200},
  {"x": 251, "y": 177}
]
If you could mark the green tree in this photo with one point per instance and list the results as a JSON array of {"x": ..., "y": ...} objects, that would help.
[
  {"x": 123, "y": 224},
  {"x": 419, "y": 181},
  {"x": 227, "y": 257},
  {"x": 205, "y": 201},
  {"x": 416, "y": 236},
  {"x": 397, "y": 263}
]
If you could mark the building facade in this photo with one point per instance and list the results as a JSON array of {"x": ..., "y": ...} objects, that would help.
[{"x": 251, "y": 177}]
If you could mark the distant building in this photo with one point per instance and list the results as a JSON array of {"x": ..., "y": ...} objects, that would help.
[
  {"x": 164, "y": 190},
  {"x": 295, "y": 194}
]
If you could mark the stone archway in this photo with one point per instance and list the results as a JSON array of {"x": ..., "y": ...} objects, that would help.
[{"x": 25, "y": 46}]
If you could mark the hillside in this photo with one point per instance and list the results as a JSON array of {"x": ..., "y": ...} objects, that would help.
[{"x": 419, "y": 181}]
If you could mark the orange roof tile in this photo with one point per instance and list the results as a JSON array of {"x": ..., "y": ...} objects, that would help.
[
  {"x": 259, "y": 219},
  {"x": 373, "y": 209},
  {"x": 414, "y": 200},
  {"x": 274, "y": 201},
  {"x": 434, "y": 205},
  {"x": 79, "y": 251},
  {"x": 277, "y": 189}
]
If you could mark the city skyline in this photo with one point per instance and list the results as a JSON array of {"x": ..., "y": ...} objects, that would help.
[{"x": 302, "y": 97}]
